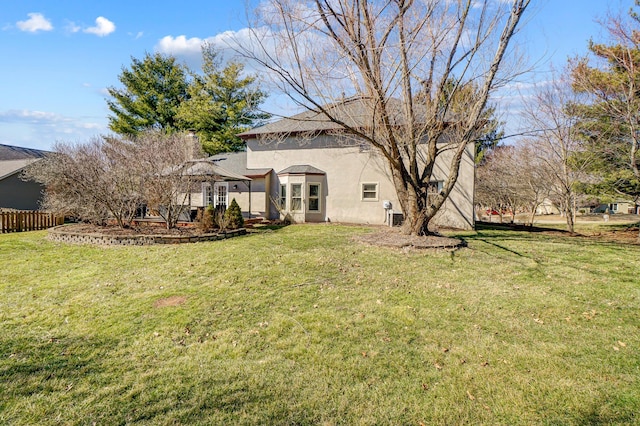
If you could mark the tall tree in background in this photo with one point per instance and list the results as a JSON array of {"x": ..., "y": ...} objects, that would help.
[
  {"x": 385, "y": 53},
  {"x": 160, "y": 94},
  {"x": 154, "y": 88},
  {"x": 610, "y": 118},
  {"x": 222, "y": 102}
]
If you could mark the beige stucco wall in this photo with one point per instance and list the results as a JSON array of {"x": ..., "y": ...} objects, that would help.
[
  {"x": 240, "y": 191},
  {"x": 346, "y": 169}
]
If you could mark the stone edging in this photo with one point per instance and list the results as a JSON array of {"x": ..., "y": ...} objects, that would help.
[{"x": 58, "y": 234}]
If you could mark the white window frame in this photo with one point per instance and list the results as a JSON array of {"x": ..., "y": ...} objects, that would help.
[
  {"x": 216, "y": 193},
  {"x": 291, "y": 197},
  {"x": 316, "y": 197},
  {"x": 206, "y": 194},
  {"x": 282, "y": 197},
  {"x": 375, "y": 191}
]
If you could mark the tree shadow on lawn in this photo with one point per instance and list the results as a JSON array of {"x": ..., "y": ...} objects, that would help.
[
  {"x": 607, "y": 235},
  {"x": 47, "y": 366}
]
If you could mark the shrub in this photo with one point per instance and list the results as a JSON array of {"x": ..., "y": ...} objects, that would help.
[
  {"x": 206, "y": 219},
  {"x": 233, "y": 216}
]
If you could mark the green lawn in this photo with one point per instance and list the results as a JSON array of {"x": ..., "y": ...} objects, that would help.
[{"x": 303, "y": 326}]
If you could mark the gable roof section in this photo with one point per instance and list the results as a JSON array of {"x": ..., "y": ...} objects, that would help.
[
  {"x": 15, "y": 158},
  {"x": 206, "y": 167},
  {"x": 236, "y": 162},
  {"x": 11, "y": 167},
  {"x": 301, "y": 169}
]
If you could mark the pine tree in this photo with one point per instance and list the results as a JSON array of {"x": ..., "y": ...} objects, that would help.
[{"x": 233, "y": 216}]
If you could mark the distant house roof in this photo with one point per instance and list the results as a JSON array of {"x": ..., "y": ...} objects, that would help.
[
  {"x": 15, "y": 158},
  {"x": 301, "y": 169},
  {"x": 11, "y": 167},
  {"x": 9, "y": 152},
  {"x": 237, "y": 162}
]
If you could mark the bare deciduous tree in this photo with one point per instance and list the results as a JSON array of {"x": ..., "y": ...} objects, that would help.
[
  {"x": 89, "y": 180},
  {"x": 556, "y": 145},
  {"x": 512, "y": 179},
  {"x": 164, "y": 161},
  {"x": 109, "y": 178},
  {"x": 423, "y": 72}
]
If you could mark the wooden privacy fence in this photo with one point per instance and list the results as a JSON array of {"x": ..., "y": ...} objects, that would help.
[{"x": 27, "y": 221}]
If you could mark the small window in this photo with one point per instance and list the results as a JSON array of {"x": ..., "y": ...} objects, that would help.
[
  {"x": 207, "y": 195},
  {"x": 283, "y": 197},
  {"x": 296, "y": 197},
  {"x": 314, "y": 197},
  {"x": 434, "y": 189},
  {"x": 370, "y": 192}
]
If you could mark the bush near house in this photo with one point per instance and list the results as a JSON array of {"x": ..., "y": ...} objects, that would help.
[{"x": 233, "y": 216}]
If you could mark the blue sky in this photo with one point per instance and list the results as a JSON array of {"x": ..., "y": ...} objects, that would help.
[{"x": 58, "y": 57}]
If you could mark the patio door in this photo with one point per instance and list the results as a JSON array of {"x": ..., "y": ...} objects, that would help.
[{"x": 220, "y": 195}]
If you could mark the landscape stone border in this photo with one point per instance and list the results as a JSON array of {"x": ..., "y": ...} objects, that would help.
[{"x": 59, "y": 234}]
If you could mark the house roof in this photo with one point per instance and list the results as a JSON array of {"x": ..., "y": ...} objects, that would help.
[
  {"x": 237, "y": 162},
  {"x": 15, "y": 158},
  {"x": 207, "y": 167},
  {"x": 301, "y": 169},
  {"x": 354, "y": 112},
  {"x": 9, "y": 152},
  {"x": 11, "y": 167}
]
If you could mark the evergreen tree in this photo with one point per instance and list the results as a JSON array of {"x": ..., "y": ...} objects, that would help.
[
  {"x": 154, "y": 88},
  {"x": 222, "y": 103},
  {"x": 233, "y": 216},
  {"x": 609, "y": 119},
  {"x": 161, "y": 94}
]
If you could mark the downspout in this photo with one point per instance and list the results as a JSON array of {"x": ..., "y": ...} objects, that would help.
[{"x": 249, "y": 185}]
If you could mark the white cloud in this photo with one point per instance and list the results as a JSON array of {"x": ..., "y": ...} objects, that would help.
[
  {"x": 40, "y": 129},
  {"x": 180, "y": 46},
  {"x": 36, "y": 22},
  {"x": 189, "y": 49},
  {"x": 103, "y": 27},
  {"x": 28, "y": 116},
  {"x": 72, "y": 27}
]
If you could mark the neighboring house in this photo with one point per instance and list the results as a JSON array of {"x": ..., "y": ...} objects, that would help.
[
  {"x": 14, "y": 192},
  {"x": 622, "y": 207},
  {"x": 547, "y": 207},
  {"x": 303, "y": 167},
  {"x": 618, "y": 207}
]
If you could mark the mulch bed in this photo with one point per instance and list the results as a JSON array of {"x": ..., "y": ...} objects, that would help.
[
  {"x": 85, "y": 228},
  {"x": 392, "y": 237}
]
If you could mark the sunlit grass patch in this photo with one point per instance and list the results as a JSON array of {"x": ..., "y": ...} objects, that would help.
[{"x": 302, "y": 325}]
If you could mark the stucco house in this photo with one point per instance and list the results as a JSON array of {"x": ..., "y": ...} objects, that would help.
[
  {"x": 304, "y": 167},
  {"x": 16, "y": 193}
]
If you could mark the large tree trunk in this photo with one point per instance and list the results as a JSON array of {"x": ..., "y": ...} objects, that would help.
[{"x": 412, "y": 203}]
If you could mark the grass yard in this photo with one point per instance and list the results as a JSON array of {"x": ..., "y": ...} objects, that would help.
[{"x": 303, "y": 326}]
